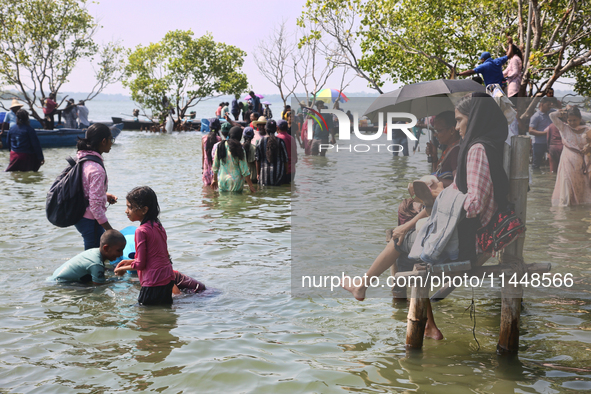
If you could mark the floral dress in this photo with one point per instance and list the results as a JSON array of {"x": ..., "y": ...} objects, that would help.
[{"x": 232, "y": 172}]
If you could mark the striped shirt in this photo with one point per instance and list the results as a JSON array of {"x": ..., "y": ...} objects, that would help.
[
  {"x": 271, "y": 173},
  {"x": 480, "y": 197}
]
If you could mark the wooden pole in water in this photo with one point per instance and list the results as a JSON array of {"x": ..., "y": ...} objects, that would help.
[
  {"x": 511, "y": 295},
  {"x": 417, "y": 311}
]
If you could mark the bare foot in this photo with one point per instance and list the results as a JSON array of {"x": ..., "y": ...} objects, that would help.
[
  {"x": 431, "y": 331},
  {"x": 357, "y": 291}
]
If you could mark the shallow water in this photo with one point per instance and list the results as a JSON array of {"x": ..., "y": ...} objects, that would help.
[{"x": 247, "y": 334}]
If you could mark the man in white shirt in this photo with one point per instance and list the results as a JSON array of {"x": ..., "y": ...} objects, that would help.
[{"x": 82, "y": 115}]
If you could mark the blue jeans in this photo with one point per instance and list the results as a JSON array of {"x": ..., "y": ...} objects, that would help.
[
  {"x": 401, "y": 140},
  {"x": 91, "y": 232},
  {"x": 539, "y": 150}
]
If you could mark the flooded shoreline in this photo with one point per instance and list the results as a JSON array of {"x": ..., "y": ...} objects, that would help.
[{"x": 249, "y": 334}]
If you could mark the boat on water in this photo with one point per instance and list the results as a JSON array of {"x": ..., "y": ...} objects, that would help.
[
  {"x": 136, "y": 124},
  {"x": 58, "y": 138}
]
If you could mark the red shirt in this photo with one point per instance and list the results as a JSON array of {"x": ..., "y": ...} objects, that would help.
[
  {"x": 290, "y": 146},
  {"x": 152, "y": 261},
  {"x": 50, "y": 106},
  {"x": 554, "y": 137}
]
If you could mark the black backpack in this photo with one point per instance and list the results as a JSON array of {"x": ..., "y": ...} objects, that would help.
[{"x": 65, "y": 204}]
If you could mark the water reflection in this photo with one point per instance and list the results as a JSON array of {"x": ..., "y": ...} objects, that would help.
[
  {"x": 156, "y": 339},
  {"x": 24, "y": 183},
  {"x": 29, "y": 177}
]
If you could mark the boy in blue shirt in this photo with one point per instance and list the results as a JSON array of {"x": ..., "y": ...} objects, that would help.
[{"x": 89, "y": 266}]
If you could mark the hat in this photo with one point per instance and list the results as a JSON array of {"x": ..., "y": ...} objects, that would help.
[
  {"x": 15, "y": 104},
  {"x": 303, "y": 102},
  {"x": 282, "y": 125},
  {"x": 485, "y": 55},
  {"x": 260, "y": 120},
  {"x": 248, "y": 133},
  {"x": 226, "y": 126}
]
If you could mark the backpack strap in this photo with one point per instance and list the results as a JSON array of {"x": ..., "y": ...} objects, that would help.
[{"x": 90, "y": 158}]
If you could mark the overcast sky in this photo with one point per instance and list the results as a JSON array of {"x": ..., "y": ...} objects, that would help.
[{"x": 239, "y": 23}]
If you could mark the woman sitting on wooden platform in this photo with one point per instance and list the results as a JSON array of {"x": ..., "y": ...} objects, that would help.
[{"x": 480, "y": 175}]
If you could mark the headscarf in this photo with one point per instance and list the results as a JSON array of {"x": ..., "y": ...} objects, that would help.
[{"x": 487, "y": 126}]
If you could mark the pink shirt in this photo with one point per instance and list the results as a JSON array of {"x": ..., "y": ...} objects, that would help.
[
  {"x": 95, "y": 185},
  {"x": 554, "y": 137},
  {"x": 257, "y": 136},
  {"x": 290, "y": 146},
  {"x": 152, "y": 260},
  {"x": 513, "y": 74}
]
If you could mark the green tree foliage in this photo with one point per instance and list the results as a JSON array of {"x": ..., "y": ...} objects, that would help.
[
  {"x": 183, "y": 69},
  {"x": 560, "y": 44},
  {"x": 42, "y": 41},
  {"x": 417, "y": 40},
  {"x": 407, "y": 41}
]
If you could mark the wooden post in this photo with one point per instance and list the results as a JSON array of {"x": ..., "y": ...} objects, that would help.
[
  {"x": 417, "y": 311},
  {"x": 511, "y": 295}
]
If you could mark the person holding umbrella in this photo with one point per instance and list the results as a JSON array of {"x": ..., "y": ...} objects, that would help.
[{"x": 480, "y": 176}]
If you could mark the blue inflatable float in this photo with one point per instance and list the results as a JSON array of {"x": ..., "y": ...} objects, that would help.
[{"x": 129, "y": 251}]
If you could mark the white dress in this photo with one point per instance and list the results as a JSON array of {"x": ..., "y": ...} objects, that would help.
[{"x": 573, "y": 180}]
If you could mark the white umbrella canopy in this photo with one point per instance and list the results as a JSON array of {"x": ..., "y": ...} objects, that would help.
[{"x": 424, "y": 98}]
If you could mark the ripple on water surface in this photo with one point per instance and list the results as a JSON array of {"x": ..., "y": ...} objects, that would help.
[{"x": 247, "y": 334}]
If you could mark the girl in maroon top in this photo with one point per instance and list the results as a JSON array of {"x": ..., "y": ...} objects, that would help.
[
  {"x": 49, "y": 109},
  {"x": 152, "y": 260}
]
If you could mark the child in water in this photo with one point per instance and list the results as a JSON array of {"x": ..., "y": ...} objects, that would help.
[
  {"x": 89, "y": 266},
  {"x": 152, "y": 260}
]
